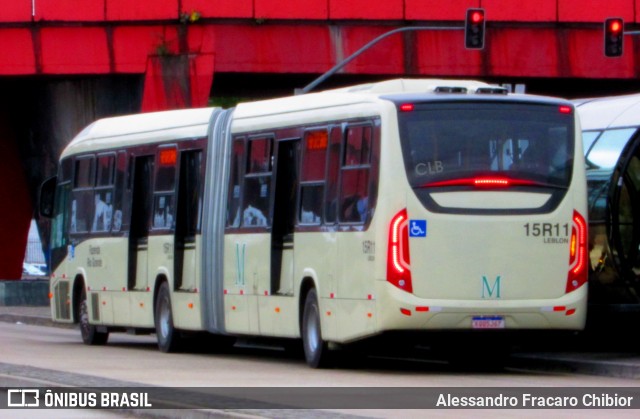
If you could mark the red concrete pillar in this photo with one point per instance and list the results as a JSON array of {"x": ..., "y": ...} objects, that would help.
[
  {"x": 177, "y": 81},
  {"x": 15, "y": 208}
]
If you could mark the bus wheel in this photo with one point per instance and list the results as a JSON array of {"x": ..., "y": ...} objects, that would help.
[
  {"x": 168, "y": 337},
  {"x": 90, "y": 334},
  {"x": 316, "y": 350}
]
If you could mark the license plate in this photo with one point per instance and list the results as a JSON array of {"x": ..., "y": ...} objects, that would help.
[{"x": 493, "y": 322}]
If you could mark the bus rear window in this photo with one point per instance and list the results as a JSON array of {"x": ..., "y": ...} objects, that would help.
[{"x": 449, "y": 141}]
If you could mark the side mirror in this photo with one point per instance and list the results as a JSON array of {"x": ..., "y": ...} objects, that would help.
[{"x": 47, "y": 195}]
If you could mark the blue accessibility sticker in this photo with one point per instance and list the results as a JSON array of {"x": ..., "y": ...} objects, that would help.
[{"x": 417, "y": 228}]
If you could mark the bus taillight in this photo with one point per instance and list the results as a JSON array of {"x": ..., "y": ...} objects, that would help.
[
  {"x": 577, "y": 253},
  {"x": 482, "y": 182},
  {"x": 398, "y": 261}
]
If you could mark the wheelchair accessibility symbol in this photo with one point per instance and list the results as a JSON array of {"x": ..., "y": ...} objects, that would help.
[{"x": 417, "y": 228}]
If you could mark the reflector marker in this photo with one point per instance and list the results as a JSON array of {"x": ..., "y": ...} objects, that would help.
[
  {"x": 552, "y": 309},
  {"x": 422, "y": 309},
  {"x": 570, "y": 312},
  {"x": 405, "y": 312}
]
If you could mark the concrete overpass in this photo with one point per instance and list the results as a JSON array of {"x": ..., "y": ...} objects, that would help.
[{"x": 64, "y": 63}]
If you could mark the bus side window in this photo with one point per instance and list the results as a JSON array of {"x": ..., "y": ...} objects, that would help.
[
  {"x": 82, "y": 201},
  {"x": 312, "y": 182},
  {"x": 333, "y": 175},
  {"x": 235, "y": 178},
  {"x": 121, "y": 171},
  {"x": 354, "y": 179},
  {"x": 103, "y": 198},
  {"x": 164, "y": 189},
  {"x": 257, "y": 182}
]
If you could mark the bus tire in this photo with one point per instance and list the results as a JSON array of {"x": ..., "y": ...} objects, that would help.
[
  {"x": 316, "y": 350},
  {"x": 168, "y": 337},
  {"x": 90, "y": 334}
]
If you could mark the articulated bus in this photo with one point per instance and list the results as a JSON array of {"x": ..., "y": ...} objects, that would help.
[
  {"x": 332, "y": 217},
  {"x": 611, "y": 135}
]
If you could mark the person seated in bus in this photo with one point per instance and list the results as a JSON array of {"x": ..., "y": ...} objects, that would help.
[
  {"x": 253, "y": 217},
  {"x": 354, "y": 209},
  {"x": 103, "y": 213}
]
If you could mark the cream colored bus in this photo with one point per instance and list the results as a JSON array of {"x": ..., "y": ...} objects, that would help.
[{"x": 406, "y": 205}]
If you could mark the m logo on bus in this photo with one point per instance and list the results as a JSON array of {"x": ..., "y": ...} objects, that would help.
[{"x": 488, "y": 290}]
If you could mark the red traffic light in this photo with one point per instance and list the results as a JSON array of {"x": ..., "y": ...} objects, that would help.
[
  {"x": 613, "y": 37},
  {"x": 615, "y": 25},
  {"x": 477, "y": 16},
  {"x": 474, "y": 24}
]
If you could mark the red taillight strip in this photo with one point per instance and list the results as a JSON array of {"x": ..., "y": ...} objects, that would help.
[
  {"x": 482, "y": 182},
  {"x": 396, "y": 226},
  {"x": 398, "y": 260},
  {"x": 577, "y": 253}
]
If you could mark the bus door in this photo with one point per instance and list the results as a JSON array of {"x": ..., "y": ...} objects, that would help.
[
  {"x": 284, "y": 215},
  {"x": 139, "y": 227},
  {"x": 187, "y": 220}
]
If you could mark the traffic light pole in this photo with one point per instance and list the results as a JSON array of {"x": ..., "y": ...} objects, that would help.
[{"x": 356, "y": 54}]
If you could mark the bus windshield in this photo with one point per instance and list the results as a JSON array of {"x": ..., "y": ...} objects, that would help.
[
  {"x": 606, "y": 149},
  {"x": 446, "y": 142}
]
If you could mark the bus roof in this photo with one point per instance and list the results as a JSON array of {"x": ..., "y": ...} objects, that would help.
[
  {"x": 141, "y": 128},
  {"x": 191, "y": 123},
  {"x": 412, "y": 89},
  {"x": 609, "y": 112}
]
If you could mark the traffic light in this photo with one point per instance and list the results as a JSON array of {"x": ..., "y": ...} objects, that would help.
[
  {"x": 613, "y": 35},
  {"x": 474, "y": 29}
]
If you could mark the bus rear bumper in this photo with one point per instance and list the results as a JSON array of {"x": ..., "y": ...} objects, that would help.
[{"x": 399, "y": 310}]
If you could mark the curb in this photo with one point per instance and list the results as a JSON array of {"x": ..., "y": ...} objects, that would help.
[
  {"x": 34, "y": 320},
  {"x": 617, "y": 365}
]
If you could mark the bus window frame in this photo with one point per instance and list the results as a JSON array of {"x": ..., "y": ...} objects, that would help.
[
  {"x": 345, "y": 166},
  {"x": 82, "y": 190},
  {"x": 106, "y": 188},
  {"x": 315, "y": 182},
  {"x": 164, "y": 193},
  {"x": 251, "y": 175}
]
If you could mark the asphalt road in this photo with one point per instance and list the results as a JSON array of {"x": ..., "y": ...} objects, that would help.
[{"x": 47, "y": 356}]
